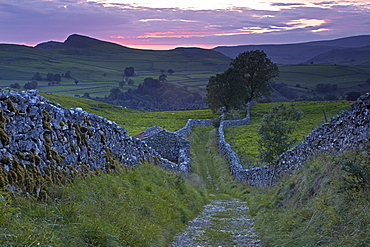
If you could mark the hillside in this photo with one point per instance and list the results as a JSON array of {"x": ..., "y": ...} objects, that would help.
[
  {"x": 350, "y": 56},
  {"x": 95, "y": 67},
  {"x": 98, "y": 65},
  {"x": 300, "y": 52}
]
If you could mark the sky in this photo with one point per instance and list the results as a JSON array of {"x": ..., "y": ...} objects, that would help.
[{"x": 166, "y": 24}]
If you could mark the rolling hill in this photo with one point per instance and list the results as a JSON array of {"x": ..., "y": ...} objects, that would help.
[
  {"x": 351, "y": 56},
  {"x": 97, "y": 66},
  {"x": 303, "y": 52}
]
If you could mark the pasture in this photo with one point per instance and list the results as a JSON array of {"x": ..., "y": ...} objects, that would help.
[{"x": 244, "y": 139}]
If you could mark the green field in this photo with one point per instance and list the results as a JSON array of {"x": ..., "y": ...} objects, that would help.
[
  {"x": 244, "y": 139},
  {"x": 99, "y": 66},
  {"x": 132, "y": 120}
]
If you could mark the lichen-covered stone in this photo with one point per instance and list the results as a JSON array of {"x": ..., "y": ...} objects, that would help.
[
  {"x": 347, "y": 131},
  {"x": 61, "y": 141}
]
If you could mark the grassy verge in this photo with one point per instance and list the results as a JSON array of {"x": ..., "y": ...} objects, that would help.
[
  {"x": 314, "y": 207},
  {"x": 145, "y": 206}
]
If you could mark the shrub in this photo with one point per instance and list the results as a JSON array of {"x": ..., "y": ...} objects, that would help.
[
  {"x": 31, "y": 85},
  {"x": 216, "y": 122},
  {"x": 357, "y": 166}
]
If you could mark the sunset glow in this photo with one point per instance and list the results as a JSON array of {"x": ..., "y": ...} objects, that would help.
[{"x": 167, "y": 24}]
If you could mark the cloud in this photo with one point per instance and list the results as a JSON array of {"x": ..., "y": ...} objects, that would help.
[
  {"x": 287, "y": 4},
  {"x": 31, "y": 22}
]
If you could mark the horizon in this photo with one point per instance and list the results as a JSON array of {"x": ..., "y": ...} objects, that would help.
[
  {"x": 164, "y": 48},
  {"x": 164, "y": 25}
]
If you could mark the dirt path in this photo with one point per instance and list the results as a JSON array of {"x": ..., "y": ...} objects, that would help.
[
  {"x": 222, "y": 223},
  {"x": 225, "y": 220}
]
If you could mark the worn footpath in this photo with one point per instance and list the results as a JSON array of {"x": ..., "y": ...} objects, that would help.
[{"x": 225, "y": 220}]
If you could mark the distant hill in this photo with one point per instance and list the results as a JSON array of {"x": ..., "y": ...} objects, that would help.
[
  {"x": 301, "y": 52},
  {"x": 348, "y": 56},
  {"x": 95, "y": 67},
  {"x": 189, "y": 58}
]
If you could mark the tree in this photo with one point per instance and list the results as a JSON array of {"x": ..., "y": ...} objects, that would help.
[
  {"x": 275, "y": 131},
  {"x": 162, "y": 78},
  {"x": 225, "y": 90},
  {"x": 68, "y": 74},
  {"x": 57, "y": 78},
  {"x": 170, "y": 71},
  {"x": 129, "y": 71},
  {"x": 15, "y": 85},
  {"x": 49, "y": 76},
  {"x": 256, "y": 72},
  {"x": 31, "y": 85},
  {"x": 37, "y": 77},
  {"x": 76, "y": 82}
]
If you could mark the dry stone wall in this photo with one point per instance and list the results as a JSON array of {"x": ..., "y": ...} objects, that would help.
[
  {"x": 186, "y": 130},
  {"x": 169, "y": 145},
  {"x": 347, "y": 131},
  {"x": 42, "y": 141}
]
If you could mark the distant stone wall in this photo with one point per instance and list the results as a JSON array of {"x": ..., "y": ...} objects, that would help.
[
  {"x": 347, "y": 131},
  {"x": 236, "y": 168},
  {"x": 169, "y": 145},
  {"x": 186, "y": 130},
  {"x": 53, "y": 142}
]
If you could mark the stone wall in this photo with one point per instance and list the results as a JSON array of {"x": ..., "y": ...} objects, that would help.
[
  {"x": 349, "y": 130},
  {"x": 39, "y": 137},
  {"x": 170, "y": 146},
  {"x": 236, "y": 168},
  {"x": 186, "y": 130}
]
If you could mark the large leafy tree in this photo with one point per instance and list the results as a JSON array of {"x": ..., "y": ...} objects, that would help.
[
  {"x": 224, "y": 90},
  {"x": 256, "y": 73},
  {"x": 248, "y": 78}
]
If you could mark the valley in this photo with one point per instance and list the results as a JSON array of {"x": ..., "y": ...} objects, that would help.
[
  {"x": 127, "y": 201},
  {"x": 96, "y": 67}
]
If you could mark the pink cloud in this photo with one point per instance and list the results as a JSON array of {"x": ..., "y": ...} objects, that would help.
[{"x": 32, "y": 22}]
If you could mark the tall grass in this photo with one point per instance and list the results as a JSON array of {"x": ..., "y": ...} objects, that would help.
[
  {"x": 313, "y": 208},
  {"x": 145, "y": 206}
]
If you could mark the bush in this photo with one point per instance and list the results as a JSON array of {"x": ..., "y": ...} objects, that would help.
[
  {"x": 15, "y": 85},
  {"x": 357, "y": 166},
  {"x": 216, "y": 122},
  {"x": 275, "y": 131},
  {"x": 31, "y": 85}
]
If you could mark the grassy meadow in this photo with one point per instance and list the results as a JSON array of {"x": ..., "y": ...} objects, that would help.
[
  {"x": 99, "y": 66},
  {"x": 244, "y": 139},
  {"x": 133, "y": 121}
]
